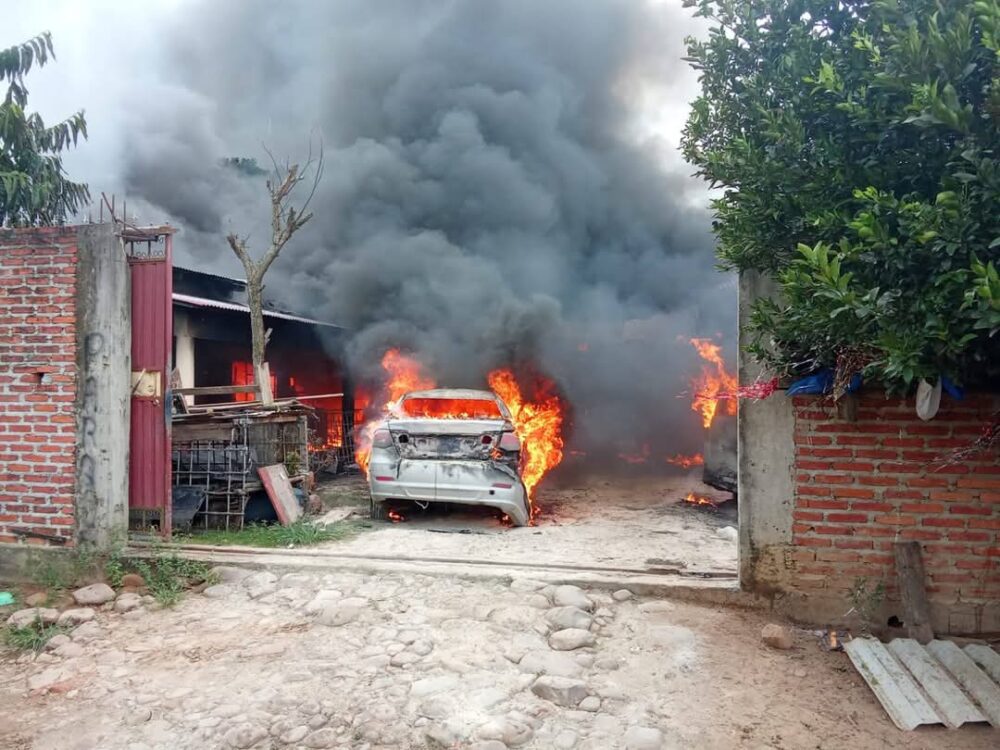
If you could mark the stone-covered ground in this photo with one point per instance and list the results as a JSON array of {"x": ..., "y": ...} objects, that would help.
[{"x": 347, "y": 660}]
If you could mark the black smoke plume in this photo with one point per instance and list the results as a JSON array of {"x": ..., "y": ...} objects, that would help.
[{"x": 495, "y": 192}]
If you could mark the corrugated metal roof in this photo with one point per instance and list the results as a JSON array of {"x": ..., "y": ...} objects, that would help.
[
  {"x": 189, "y": 299},
  {"x": 936, "y": 684}
]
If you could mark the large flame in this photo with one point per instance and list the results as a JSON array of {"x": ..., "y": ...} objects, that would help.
[
  {"x": 405, "y": 374},
  {"x": 538, "y": 424},
  {"x": 714, "y": 384}
]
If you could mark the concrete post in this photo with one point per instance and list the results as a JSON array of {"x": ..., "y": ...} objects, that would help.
[
  {"x": 103, "y": 344},
  {"x": 766, "y": 457}
]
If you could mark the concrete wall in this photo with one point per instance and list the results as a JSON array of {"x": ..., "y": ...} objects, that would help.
[{"x": 103, "y": 349}]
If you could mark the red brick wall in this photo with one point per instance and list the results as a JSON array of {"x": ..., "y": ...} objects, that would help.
[
  {"x": 862, "y": 485},
  {"x": 38, "y": 374}
]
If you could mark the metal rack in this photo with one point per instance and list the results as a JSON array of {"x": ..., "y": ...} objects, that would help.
[{"x": 226, "y": 472}]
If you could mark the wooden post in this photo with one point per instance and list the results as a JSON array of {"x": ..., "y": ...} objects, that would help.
[{"x": 910, "y": 573}]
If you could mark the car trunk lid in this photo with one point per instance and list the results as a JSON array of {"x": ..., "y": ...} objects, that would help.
[{"x": 446, "y": 439}]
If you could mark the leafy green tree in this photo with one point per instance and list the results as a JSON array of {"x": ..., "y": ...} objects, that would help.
[
  {"x": 33, "y": 184},
  {"x": 854, "y": 145}
]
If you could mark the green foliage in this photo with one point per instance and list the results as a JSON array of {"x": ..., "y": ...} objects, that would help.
[
  {"x": 856, "y": 147},
  {"x": 33, "y": 184},
  {"x": 31, "y": 637},
  {"x": 302, "y": 533},
  {"x": 114, "y": 568},
  {"x": 293, "y": 463},
  {"x": 167, "y": 575}
]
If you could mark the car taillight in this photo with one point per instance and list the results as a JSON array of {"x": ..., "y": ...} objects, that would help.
[
  {"x": 509, "y": 442},
  {"x": 382, "y": 438},
  {"x": 503, "y": 485},
  {"x": 486, "y": 440}
]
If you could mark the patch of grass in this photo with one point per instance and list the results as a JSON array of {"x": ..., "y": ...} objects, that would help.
[
  {"x": 114, "y": 568},
  {"x": 31, "y": 637},
  {"x": 168, "y": 575},
  {"x": 58, "y": 572},
  {"x": 302, "y": 533}
]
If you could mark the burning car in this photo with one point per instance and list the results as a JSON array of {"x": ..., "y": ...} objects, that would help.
[{"x": 448, "y": 445}]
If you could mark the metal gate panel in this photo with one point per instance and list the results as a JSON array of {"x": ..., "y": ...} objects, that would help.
[{"x": 150, "y": 262}]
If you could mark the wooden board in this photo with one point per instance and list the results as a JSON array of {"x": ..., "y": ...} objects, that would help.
[
  {"x": 279, "y": 490},
  {"x": 910, "y": 572}
]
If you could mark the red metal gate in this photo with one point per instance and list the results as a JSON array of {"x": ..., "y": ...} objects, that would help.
[{"x": 151, "y": 265}]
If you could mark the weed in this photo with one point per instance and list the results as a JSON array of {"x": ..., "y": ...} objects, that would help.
[
  {"x": 114, "y": 568},
  {"x": 32, "y": 637},
  {"x": 167, "y": 575},
  {"x": 302, "y": 533},
  {"x": 865, "y": 602},
  {"x": 293, "y": 462}
]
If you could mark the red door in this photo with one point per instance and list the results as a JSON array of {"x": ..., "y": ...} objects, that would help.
[{"x": 151, "y": 266}]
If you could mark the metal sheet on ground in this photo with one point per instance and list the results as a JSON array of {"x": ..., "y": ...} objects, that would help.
[
  {"x": 980, "y": 688},
  {"x": 892, "y": 685},
  {"x": 987, "y": 659},
  {"x": 948, "y": 699},
  {"x": 279, "y": 490}
]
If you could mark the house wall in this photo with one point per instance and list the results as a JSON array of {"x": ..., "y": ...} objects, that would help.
[
  {"x": 38, "y": 383},
  {"x": 824, "y": 498},
  {"x": 63, "y": 399}
]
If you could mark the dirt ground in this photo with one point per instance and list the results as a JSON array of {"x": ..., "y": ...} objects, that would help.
[
  {"x": 347, "y": 660},
  {"x": 640, "y": 524}
]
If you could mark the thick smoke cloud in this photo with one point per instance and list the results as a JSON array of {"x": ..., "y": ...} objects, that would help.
[{"x": 492, "y": 195}]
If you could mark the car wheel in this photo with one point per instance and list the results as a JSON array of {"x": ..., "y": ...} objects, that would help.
[{"x": 378, "y": 511}]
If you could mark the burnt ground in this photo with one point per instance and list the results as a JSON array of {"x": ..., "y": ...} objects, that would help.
[{"x": 637, "y": 523}]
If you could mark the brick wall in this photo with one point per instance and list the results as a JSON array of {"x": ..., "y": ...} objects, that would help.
[
  {"x": 861, "y": 486},
  {"x": 38, "y": 376}
]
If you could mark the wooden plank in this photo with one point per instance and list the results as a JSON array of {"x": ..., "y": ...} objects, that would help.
[
  {"x": 981, "y": 688},
  {"x": 987, "y": 659},
  {"x": 216, "y": 390},
  {"x": 910, "y": 572},
  {"x": 279, "y": 490},
  {"x": 949, "y": 701},
  {"x": 892, "y": 685}
]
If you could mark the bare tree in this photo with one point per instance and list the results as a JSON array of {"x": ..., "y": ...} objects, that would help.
[{"x": 286, "y": 220}]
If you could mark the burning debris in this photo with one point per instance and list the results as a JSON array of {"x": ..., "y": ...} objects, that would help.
[
  {"x": 686, "y": 462},
  {"x": 696, "y": 499}
]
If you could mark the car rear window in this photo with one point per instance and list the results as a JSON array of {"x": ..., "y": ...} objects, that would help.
[{"x": 451, "y": 408}]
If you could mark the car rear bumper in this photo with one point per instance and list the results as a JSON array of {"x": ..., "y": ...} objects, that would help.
[{"x": 459, "y": 482}]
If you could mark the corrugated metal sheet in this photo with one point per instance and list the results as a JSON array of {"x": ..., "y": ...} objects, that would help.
[
  {"x": 189, "y": 299},
  {"x": 152, "y": 339},
  {"x": 936, "y": 684}
]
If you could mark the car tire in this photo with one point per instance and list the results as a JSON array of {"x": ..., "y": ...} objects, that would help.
[{"x": 378, "y": 511}]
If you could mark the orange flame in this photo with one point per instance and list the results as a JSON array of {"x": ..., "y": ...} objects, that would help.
[
  {"x": 686, "y": 462},
  {"x": 714, "y": 384},
  {"x": 537, "y": 423},
  {"x": 405, "y": 375},
  {"x": 698, "y": 499}
]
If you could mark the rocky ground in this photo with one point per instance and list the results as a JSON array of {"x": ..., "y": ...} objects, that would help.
[{"x": 346, "y": 660}]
